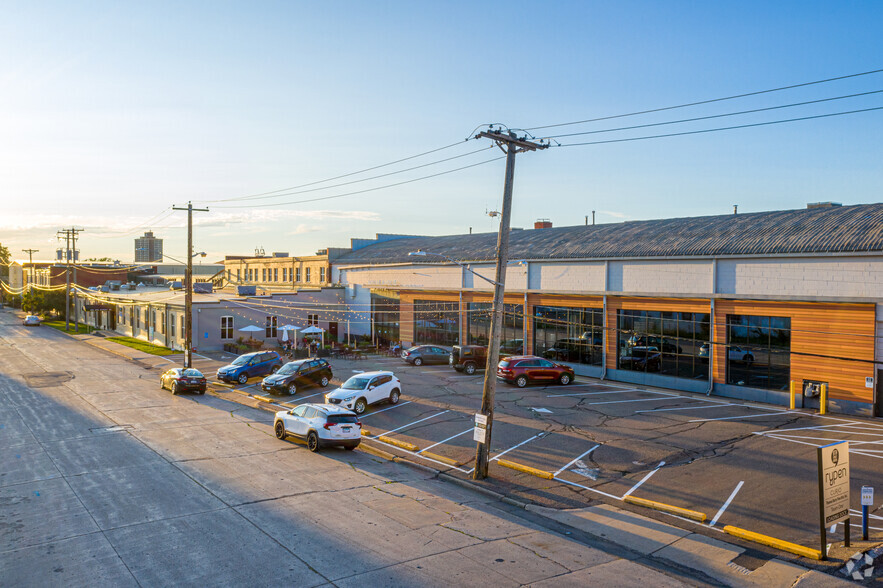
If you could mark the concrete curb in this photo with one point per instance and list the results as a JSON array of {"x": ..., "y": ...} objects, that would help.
[
  {"x": 667, "y": 508},
  {"x": 525, "y": 469},
  {"x": 441, "y": 458},
  {"x": 794, "y": 548},
  {"x": 397, "y": 443}
]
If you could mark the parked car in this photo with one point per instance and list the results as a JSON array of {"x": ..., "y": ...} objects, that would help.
[
  {"x": 321, "y": 425},
  {"x": 183, "y": 380},
  {"x": 642, "y": 359},
  {"x": 421, "y": 354},
  {"x": 250, "y": 365},
  {"x": 740, "y": 354},
  {"x": 522, "y": 369},
  {"x": 366, "y": 388},
  {"x": 667, "y": 345},
  {"x": 468, "y": 358},
  {"x": 31, "y": 321},
  {"x": 176, "y": 285},
  {"x": 298, "y": 374},
  {"x": 512, "y": 347},
  {"x": 704, "y": 352}
]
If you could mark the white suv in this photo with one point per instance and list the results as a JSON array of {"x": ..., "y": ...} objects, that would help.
[
  {"x": 322, "y": 425},
  {"x": 367, "y": 388}
]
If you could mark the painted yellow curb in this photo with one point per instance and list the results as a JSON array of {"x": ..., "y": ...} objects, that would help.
[
  {"x": 264, "y": 399},
  {"x": 224, "y": 384},
  {"x": 441, "y": 458},
  {"x": 397, "y": 443},
  {"x": 773, "y": 542},
  {"x": 366, "y": 433},
  {"x": 525, "y": 469},
  {"x": 661, "y": 506}
]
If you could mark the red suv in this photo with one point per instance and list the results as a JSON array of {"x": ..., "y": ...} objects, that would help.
[{"x": 521, "y": 369}]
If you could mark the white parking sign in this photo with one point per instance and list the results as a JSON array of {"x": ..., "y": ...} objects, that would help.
[{"x": 867, "y": 496}]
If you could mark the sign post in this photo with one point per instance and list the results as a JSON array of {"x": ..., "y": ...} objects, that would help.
[
  {"x": 480, "y": 433},
  {"x": 867, "y": 502},
  {"x": 833, "y": 490}
]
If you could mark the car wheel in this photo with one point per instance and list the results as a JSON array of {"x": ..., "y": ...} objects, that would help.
[
  {"x": 418, "y": 361},
  {"x": 292, "y": 388},
  {"x": 174, "y": 388},
  {"x": 350, "y": 447},
  {"x": 564, "y": 379},
  {"x": 324, "y": 381},
  {"x": 162, "y": 385},
  {"x": 280, "y": 430},
  {"x": 313, "y": 442},
  {"x": 243, "y": 378},
  {"x": 521, "y": 381},
  {"x": 202, "y": 390},
  {"x": 470, "y": 368},
  {"x": 394, "y": 397},
  {"x": 360, "y": 406},
  {"x": 748, "y": 359}
]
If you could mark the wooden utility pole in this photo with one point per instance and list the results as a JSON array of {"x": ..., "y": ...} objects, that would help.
[
  {"x": 30, "y": 253},
  {"x": 69, "y": 255},
  {"x": 188, "y": 286},
  {"x": 510, "y": 144}
]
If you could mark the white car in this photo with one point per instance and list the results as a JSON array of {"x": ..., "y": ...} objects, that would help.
[
  {"x": 31, "y": 321},
  {"x": 321, "y": 425},
  {"x": 739, "y": 354},
  {"x": 366, "y": 388}
]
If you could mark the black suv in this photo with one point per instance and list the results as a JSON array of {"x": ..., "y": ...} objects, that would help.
[
  {"x": 468, "y": 358},
  {"x": 298, "y": 374}
]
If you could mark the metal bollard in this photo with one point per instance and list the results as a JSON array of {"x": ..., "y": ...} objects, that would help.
[
  {"x": 791, "y": 389},
  {"x": 823, "y": 400}
]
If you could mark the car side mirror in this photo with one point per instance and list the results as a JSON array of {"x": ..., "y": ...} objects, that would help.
[
  {"x": 291, "y": 411},
  {"x": 371, "y": 387}
]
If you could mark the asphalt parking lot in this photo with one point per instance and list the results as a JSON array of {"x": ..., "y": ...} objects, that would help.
[{"x": 743, "y": 464}]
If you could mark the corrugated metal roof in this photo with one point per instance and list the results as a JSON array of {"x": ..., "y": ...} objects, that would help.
[{"x": 839, "y": 229}]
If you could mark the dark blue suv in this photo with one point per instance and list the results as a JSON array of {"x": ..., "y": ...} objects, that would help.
[{"x": 250, "y": 365}]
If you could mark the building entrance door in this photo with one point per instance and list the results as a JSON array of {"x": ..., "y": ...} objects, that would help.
[{"x": 332, "y": 330}]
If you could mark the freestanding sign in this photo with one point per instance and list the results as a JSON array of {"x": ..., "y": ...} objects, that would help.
[{"x": 833, "y": 489}]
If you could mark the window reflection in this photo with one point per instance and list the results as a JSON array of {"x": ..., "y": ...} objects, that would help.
[
  {"x": 669, "y": 343},
  {"x": 759, "y": 351},
  {"x": 574, "y": 335},
  {"x": 436, "y": 322},
  {"x": 479, "y": 316}
]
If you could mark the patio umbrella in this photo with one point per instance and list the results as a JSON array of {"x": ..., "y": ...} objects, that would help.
[
  {"x": 312, "y": 330},
  {"x": 285, "y": 329},
  {"x": 250, "y": 329}
]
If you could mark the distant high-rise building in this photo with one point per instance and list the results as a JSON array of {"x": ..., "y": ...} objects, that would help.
[{"x": 148, "y": 248}]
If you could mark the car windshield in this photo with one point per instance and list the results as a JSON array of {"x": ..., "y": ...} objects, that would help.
[
  {"x": 288, "y": 368},
  {"x": 356, "y": 383},
  {"x": 242, "y": 360},
  {"x": 193, "y": 373}
]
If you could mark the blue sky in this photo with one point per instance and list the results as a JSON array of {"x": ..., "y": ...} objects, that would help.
[{"x": 112, "y": 112}]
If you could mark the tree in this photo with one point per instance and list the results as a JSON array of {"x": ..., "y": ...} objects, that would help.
[
  {"x": 4, "y": 268},
  {"x": 43, "y": 302},
  {"x": 98, "y": 259}
]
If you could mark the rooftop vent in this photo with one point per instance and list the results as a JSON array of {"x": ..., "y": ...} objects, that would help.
[
  {"x": 280, "y": 254},
  {"x": 543, "y": 223},
  {"x": 823, "y": 204}
]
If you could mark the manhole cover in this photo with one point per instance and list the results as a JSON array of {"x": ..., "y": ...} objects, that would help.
[{"x": 48, "y": 379}]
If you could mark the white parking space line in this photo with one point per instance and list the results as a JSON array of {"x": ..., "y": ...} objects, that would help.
[
  {"x": 644, "y": 479},
  {"x": 601, "y": 492},
  {"x": 641, "y": 400},
  {"x": 469, "y": 430},
  {"x": 610, "y": 392},
  {"x": 386, "y": 409},
  {"x": 447, "y": 465},
  {"x": 499, "y": 455},
  {"x": 576, "y": 459},
  {"x": 167, "y": 359},
  {"x": 749, "y": 416},
  {"x": 410, "y": 424},
  {"x": 726, "y": 504},
  {"x": 302, "y": 398}
]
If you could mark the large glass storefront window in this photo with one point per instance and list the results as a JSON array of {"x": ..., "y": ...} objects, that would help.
[
  {"x": 669, "y": 343},
  {"x": 573, "y": 335},
  {"x": 385, "y": 309},
  {"x": 479, "y": 332},
  {"x": 759, "y": 351},
  {"x": 436, "y": 322}
]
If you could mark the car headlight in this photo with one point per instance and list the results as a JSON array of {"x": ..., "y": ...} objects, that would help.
[{"x": 348, "y": 398}]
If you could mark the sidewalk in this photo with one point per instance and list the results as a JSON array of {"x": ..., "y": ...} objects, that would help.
[{"x": 719, "y": 560}]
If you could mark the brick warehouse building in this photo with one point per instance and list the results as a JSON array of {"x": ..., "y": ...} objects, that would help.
[{"x": 731, "y": 305}]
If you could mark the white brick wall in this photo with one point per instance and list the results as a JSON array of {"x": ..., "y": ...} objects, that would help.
[
  {"x": 664, "y": 277},
  {"x": 851, "y": 277},
  {"x": 567, "y": 276}
]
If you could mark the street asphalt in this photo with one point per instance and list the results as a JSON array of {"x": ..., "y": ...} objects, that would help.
[{"x": 107, "y": 480}]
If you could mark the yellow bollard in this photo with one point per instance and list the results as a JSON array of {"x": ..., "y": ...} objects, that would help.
[
  {"x": 791, "y": 389},
  {"x": 823, "y": 400}
]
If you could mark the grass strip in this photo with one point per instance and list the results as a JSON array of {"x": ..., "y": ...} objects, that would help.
[
  {"x": 59, "y": 325},
  {"x": 142, "y": 345}
]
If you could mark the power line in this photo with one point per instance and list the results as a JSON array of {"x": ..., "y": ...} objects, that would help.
[
  {"x": 734, "y": 97},
  {"x": 450, "y": 171},
  {"x": 264, "y": 197},
  {"x": 761, "y": 124},
  {"x": 684, "y": 120},
  {"x": 346, "y": 175}
]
